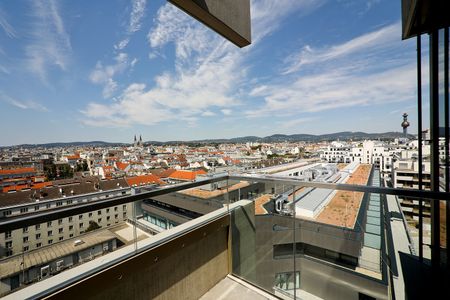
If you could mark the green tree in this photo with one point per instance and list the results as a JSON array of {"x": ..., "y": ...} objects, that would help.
[{"x": 92, "y": 226}]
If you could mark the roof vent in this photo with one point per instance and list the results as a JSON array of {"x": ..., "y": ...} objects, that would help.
[{"x": 78, "y": 242}]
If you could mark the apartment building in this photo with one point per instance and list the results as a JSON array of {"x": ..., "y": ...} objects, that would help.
[
  {"x": 367, "y": 152},
  {"x": 58, "y": 195}
]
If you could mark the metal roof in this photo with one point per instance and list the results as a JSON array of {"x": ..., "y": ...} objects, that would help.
[{"x": 47, "y": 254}]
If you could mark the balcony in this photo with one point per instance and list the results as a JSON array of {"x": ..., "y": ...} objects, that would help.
[{"x": 242, "y": 238}]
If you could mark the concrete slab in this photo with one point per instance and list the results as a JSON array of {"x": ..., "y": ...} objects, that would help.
[{"x": 230, "y": 289}]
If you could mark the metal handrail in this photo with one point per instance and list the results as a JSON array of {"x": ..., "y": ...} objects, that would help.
[{"x": 16, "y": 222}]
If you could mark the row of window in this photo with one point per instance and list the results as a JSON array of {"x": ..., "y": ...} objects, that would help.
[
  {"x": 8, "y": 234},
  {"x": 23, "y": 210},
  {"x": 281, "y": 251},
  {"x": 8, "y": 245},
  {"x": 159, "y": 221},
  {"x": 70, "y": 219}
]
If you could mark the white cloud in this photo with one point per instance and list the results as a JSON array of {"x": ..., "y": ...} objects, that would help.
[
  {"x": 359, "y": 72},
  {"x": 103, "y": 74},
  {"x": 226, "y": 111},
  {"x": 122, "y": 44},
  {"x": 267, "y": 15},
  {"x": 29, "y": 104},
  {"x": 134, "y": 24},
  {"x": 210, "y": 72},
  {"x": 295, "y": 123},
  {"x": 4, "y": 24},
  {"x": 208, "y": 113},
  {"x": 374, "y": 41},
  {"x": 51, "y": 43},
  {"x": 137, "y": 13}
]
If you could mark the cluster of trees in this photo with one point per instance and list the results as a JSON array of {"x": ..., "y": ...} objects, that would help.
[
  {"x": 63, "y": 171},
  {"x": 82, "y": 167},
  {"x": 53, "y": 172}
]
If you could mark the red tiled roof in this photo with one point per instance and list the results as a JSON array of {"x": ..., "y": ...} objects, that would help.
[
  {"x": 164, "y": 173},
  {"x": 72, "y": 157},
  {"x": 41, "y": 185},
  {"x": 17, "y": 171},
  {"x": 122, "y": 166},
  {"x": 19, "y": 187},
  {"x": 186, "y": 175},
  {"x": 15, "y": 187},
  {"x": 143, "y": 180}
]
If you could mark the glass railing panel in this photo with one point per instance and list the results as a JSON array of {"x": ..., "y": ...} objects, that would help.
[
  {"x": 320, "y": 242},
  {"x": 40, "y": 251}
]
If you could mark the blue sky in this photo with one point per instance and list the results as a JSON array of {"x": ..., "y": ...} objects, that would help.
[{"x": 106, "y": 70}]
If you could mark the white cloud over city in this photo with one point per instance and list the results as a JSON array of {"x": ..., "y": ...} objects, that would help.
[{"x": 209, "y": 71}]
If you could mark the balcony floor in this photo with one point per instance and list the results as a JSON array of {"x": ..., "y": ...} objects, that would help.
[{"x": 233, "y": 288}]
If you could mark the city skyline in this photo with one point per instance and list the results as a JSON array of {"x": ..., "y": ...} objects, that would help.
[{"x": 96, "y": 72}]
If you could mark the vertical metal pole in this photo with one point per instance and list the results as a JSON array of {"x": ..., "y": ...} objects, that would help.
[
  {"x": 419, "y": 135},
  {"x": 434, "y": 149},
  {"x": 227, "y": 198},
  {"x": 134, "y": 225},
  {"x": 447, "y": 137},
  {"x": 294, "y": 246}
]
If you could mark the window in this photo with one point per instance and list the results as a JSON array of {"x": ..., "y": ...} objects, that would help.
[
  {"x": 124, "y": 207},
  {"x": 287, "y": 281},
  {"x": 71, "y": 227},
  {"x": 24, "y": 210},
  {"x": 286, "y": 250},
  {"x": 49, "y": 224},
  {"x": 25, "y": 229},
  {"x": 38, "y": 236},
  {"x": 115, "y": 208},
  {"x": 107, "y": 218},
  {"x": 48, "y": 205},
  {"x": 25, "y": 239},
  {"x": 69, "y": 202},
  {"x": 50, "y": 233},
  {"x": 6, "y": 213},
  {"x": 70, "y": 219},
  {"x": 25, "y": 248},
  {"x": 90, "y": 215},
  {"x": 9, "y": 253},
  {"x": 50, "y": 242},
  {"x": 36, "y": 207},
  {"x": 71, "y": 235},
  {"x": 81, "y": 225},
  {"x": 38, "y": 245},
  {"x": 60, "y": 230},
  {"x": 99, "y": 212},
  {"x": 61, "y": 238},
  {"x": 99, "y": 220},
  {"x": 37, "y": 227},
  {"x": 116, "y": 216},
  {"x": 59, "y": 203},
  {"x": 80, "y": 217},
  {"x": 8, "y": 245},
  {"x": 107, "y": 210},
  {"x": 59, "y": 221},
  {"x": 59, "y": 265},
  {"x": 8, "y": 234}
]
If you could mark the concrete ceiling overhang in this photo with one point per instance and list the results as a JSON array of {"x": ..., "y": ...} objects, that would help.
[
  {"x": 229, "y": 18},
  {"x": 424, "y": 16}
]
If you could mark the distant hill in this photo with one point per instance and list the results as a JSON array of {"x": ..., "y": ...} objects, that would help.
[
  {"x": 69, "y": 144},
  {"x": 342, "y": 136}
]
